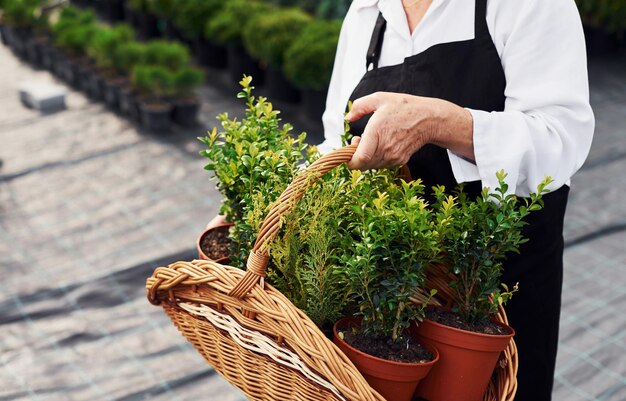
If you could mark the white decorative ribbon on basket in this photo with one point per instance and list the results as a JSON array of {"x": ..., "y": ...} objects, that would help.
[{"x": 257, "y": 342}]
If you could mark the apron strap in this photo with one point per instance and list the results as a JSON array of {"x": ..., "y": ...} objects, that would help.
[
  {"x": 480, "y": 19},
  {"x": 376, "y": 43}
]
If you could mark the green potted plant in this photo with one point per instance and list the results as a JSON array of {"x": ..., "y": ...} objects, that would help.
[
  {"x": 252, "y": 159},
  {"x": 185, "y": 101},
  {"x": 191, "y": 18},
  {"x": 102, "y": 50},
  {"x": 126, "y": 56},
  {"x": 226, "y": 28},
  {"x": 478, "y": 236},
  {"x": 309, "y": 63},
  {"x": 168, "y": 54},
  {"x": 392, "y": 237},
  {"x": 267, "y": 37},
  {"x": 165, "y": 12},
  {"x": 73, "y": 39},
  {"x": 19, "y": 19},
  {"x": 154, "y": 83}
]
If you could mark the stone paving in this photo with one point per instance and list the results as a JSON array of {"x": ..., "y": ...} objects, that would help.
[{"x": 89, "y": 205}]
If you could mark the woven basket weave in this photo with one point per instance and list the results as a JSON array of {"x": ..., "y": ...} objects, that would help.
[{"x": 258, "y": 340}]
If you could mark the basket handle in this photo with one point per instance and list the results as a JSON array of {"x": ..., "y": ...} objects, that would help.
[{"x": 258, "y": 259}]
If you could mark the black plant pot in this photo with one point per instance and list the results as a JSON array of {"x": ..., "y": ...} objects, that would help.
[
  {"x": 18, "y": 38},
  {"x": 111, "y": 93},
  {"x": 210, "y": 54},
  {"x": 95, "y": 86},
  {"x": 185, "y": 113},
  {"x": 130, "y": 16},
  {"x": 71, "y": 73},
  {"x": 155, "y": 117},
  {"x": 128, "y": 103},
  {"x": 240, "y": 63},
  {"x": 3, "y": 34},
  {"x": 148, "y": 26},
  {"x": 47, "y": 56},
  {"x": 600, "y": 42},
  {"x": 32, "y": 53},
  {"x": 314, "y": 103},
  {"x": 279, "y": 87},
  {"x": 58, "y": 59},
  {"x": 172, "y": 32},
  {"x": 114, "y": 10}
]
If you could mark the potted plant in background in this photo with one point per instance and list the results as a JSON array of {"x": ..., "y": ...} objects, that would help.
[
  {"x": 309, "y": 64},
  {"x": 154, "y": 83},
  {"x": 253, "y": 160},
  {"x": 267, "y": 37},
  {"x": 186, "y": 103},
  {"x": 102, "y": 50},
  {"x": 191, "y": 18},
  {"x": 477, "y": 238},
  {"x": 19, "y": 18},
  {"x": 73, "y": 33},
  {"x": 126, "y": 57},
  {"x": 165, "y": 12},
  {"x": 226, "y": 28}
]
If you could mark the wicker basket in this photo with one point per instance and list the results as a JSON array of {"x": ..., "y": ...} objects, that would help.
[{"x": 255, "y": 338}]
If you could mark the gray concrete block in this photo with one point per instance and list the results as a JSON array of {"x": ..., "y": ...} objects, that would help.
[{"x": 43, "y": 96}]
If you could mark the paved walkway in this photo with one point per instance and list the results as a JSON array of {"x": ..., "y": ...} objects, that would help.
[{"x": 89, "y": 205}]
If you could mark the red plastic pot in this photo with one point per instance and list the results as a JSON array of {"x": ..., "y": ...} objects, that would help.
[
  {"x": 467, "y": 361},
  {"x": 201, "y": 254},
  {"x": 395, "y": 381}
]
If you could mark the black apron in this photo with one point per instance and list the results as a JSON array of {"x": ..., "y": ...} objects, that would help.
[{"x": 469, "y": 73}]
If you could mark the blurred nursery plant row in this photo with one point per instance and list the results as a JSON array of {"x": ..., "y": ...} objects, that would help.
[{"x": 146, "y": 58}]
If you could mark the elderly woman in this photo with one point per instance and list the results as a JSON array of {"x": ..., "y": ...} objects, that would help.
[{"x": 458, "y": 89}]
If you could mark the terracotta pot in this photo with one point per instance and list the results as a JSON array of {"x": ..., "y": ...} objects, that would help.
[
  {"x": 395, "y": 381},
  {"x": 201, "y": 254},
  {"x": 467, "y": 361}
]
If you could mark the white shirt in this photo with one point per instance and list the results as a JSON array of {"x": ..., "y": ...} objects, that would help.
[{"x": 547, "y": 125}]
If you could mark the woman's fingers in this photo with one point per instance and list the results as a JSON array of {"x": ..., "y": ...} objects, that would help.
[
  {"x": 364, "y": 106},
  {"x": 367, "y": 154}
]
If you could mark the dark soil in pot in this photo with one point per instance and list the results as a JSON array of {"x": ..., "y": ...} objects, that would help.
[
  {"x": 155, "y": 116},
  {"x": 407, "y": 350},
  {"x": 279, "y": 87},
  {"x": 210, "y": 54},
  {"x": 185, "y": 112},
  {"x": 451, "y": 319},
  {"x": 214, "y": 244},
  {"x": 240, "y": 63}
]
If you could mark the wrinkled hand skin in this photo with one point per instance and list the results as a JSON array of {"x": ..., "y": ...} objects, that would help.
[{"x": 401, "y": 124}]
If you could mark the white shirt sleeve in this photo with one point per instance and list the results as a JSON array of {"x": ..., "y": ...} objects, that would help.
[{"x": 547, "y": 125}]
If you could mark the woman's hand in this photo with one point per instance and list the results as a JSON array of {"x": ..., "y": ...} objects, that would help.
[
  {"x": 216, "y": 221},
  {"x": 402, "y": 124}
]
